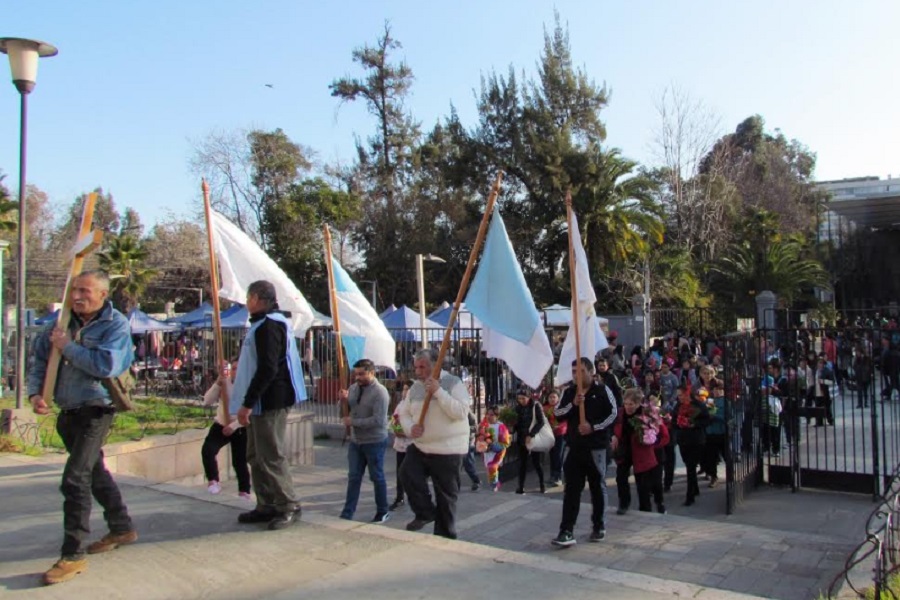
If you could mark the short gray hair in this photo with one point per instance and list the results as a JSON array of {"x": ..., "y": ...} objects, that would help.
[
  {"x": 264, "y": 292},
  {"x": 425, "y": 354},
  {"x": 99, "y": 275}
]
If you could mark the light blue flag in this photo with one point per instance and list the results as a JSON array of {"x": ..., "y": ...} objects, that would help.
[
  {"x": 501, "y": 300},
  {"x": 362, "y": 331}
]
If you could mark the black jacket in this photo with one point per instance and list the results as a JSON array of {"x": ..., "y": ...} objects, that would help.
[
  {"x": 693, "y": 433},
  {"x": 272, "y": 381},
  {"x": 599, "y": 410},
  {"x": 526, "y": 424}
]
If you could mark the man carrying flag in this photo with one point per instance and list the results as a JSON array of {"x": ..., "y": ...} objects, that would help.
[{"x": 588, "y": 408}]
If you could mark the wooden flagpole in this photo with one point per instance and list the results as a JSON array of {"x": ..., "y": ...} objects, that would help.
[
  {"x": 224, "y": 412},
  {"x": 336, "y": 319},
  {"x": 575, "y": 317},
  {"x": 86, "y": 242},
  {"x": 473, "y": 255}
]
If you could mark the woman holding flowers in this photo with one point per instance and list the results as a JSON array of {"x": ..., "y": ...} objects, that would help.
[
  {"x": 639, "y": 431},
  {"x": 690, "y": 420},
  {"x": 492, "y": 441}
]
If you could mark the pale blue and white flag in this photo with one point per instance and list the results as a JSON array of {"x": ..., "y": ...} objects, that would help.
[
  {"x": 501, "y": 300},
  {"x": 362, "y": 332},
  {"x": 591, "y": 336}
]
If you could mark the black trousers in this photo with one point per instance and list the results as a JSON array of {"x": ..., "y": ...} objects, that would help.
[
  {"x": 623, "y": 489},
  {"x": 690, "y": 456},
  {"x": 584, "y": 464},
  {"x": 524, "y": 453},
  {"x": 666, "y": 457},
  {"x": 649, "y": 483},
  {"x": 215, "y": 441},
  {"x": 443, "y": 469},
  {"x": 83, "y": 431},
  {"x": 400, "y": 494},
  {"x": 714, "y": 448}
]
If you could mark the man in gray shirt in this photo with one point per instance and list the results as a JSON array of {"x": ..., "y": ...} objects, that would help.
[{"x": 368, "y": 420}]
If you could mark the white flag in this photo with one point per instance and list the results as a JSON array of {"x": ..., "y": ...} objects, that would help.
[
  {"x": 363, "y": 334},
  {"x": 242, "y": 261},
  {"x": 592, "y": 338}
]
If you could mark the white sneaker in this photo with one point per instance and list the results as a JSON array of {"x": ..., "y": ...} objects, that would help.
[{"x": 214, "y": 487}]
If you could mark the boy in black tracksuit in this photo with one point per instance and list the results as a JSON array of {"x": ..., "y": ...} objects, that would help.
[{"x": 587, "y": 448}]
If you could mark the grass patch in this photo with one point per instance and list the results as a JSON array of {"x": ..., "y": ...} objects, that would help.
[{"x": 152, "y": 416}]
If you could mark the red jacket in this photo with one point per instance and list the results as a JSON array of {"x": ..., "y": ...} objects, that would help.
[{"x": 642, "y": 457}]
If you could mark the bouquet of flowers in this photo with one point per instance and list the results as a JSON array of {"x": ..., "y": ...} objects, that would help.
[
  {"x": 707, "y": 399},
  {"x": 485, "y": 438},
  {"x": 395, "y": 426},
  {"x": 646, "y": 424}
]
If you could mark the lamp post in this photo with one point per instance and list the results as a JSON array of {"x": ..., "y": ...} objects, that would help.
[
  {"x": 420, "y": 278},
  {"x": 23, "y": 62},
  {"x": 374, "y": 283}
]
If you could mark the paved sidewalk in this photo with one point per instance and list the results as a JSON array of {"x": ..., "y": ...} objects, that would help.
[{"x": 191, "y": 546}]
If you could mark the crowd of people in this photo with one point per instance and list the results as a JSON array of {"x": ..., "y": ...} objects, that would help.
[{"x": 632, "y": 412}]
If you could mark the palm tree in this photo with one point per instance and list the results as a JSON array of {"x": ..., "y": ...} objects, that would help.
[
  {"x": 617, "y": 209},
  {"x": 783, "y": 266},
  {"x": 124, "y": 258}
]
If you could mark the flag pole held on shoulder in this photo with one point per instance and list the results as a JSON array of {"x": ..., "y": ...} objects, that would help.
[
  {"x": 473, "y": 255},
  {"x": 336, "y": 319},
  {"x": 223, "y": 409}
]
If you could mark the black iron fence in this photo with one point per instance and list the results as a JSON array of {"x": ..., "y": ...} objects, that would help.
[{"x": 694, "y": 322}]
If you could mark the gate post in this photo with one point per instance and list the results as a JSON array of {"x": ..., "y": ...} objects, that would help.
[
  {"x": 765, "y": 311},
  {"x": 639, "y": 309}
]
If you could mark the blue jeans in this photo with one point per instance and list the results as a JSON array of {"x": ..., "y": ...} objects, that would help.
[
  {"x": 359, "y": 456},
  {"x": 469, "y": 466}
]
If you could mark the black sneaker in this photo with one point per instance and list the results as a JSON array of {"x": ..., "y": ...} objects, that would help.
[
  {"x": 476, "y": 486},
  {"x": 597, "y": 535},
  {"x": 661, "y": 509},
  {"x": 255, "y": 516},
  {"x": 621, "y": 510},
  {"x": 283, "y": 520},
  {"x": 520, "y": 491},
  {"x": 417, "y": 524},
  {"x": 397, "y": 504},
  {"x": 381, "y": 517},
  {"x": 564, "y": 539}
]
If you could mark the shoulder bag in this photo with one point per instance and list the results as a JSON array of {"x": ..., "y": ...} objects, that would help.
[{"x": 544, "y": 439}]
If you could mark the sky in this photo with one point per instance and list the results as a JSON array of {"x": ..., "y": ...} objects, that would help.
[{"x": 137, "y": 84}]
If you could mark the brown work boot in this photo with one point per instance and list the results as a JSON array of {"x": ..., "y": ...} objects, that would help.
[
  {"x": 65, "y": 570},
  {"x": 111, "y": 541}
]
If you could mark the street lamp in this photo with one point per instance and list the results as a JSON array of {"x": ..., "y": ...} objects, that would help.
[
  {"x": 420, "y": 277},
  {"x": 23, "y": 62}
]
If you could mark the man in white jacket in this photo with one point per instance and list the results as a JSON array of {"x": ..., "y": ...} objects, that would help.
[{"x": 438, "y": 446}]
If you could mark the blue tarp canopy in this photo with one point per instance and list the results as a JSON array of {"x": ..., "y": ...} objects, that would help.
[
  {"x": 236, "y": 317},
  {"x": 464, "y": 319},
  {"x": 404, "y": 325},
  {"x": 195, "y": 315},
  {"x": 387, "y": 311},
  {"x": 47, "y": 318},
  {"x": 141, "y": 323}
]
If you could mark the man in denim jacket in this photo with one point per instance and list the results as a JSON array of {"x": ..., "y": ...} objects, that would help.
[{"x": 96, "y": 346}]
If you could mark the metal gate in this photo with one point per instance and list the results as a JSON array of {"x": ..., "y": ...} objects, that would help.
[
  {"x": 740, "y": 372},
  {"x": 840, "y": 423}
]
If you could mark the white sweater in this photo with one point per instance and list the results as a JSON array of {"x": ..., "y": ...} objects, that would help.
[
  {"x": 446, "y": 426},
  {"x": 211, "y": 398}
]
